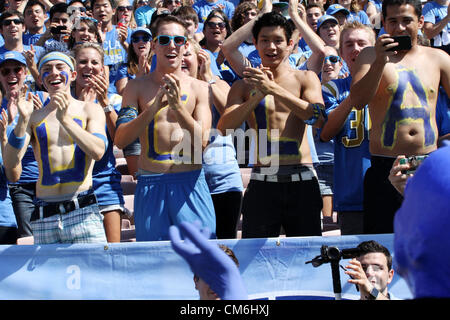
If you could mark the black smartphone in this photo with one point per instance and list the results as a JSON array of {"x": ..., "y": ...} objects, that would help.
[
  {"x": 58, "y": 29},
  {"x": 404, "y": 43}
]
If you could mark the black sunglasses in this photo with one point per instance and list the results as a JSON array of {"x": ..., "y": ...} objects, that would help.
[
  {"x": 9, "y": 21},
  {"x": 6, "y": 71},
  {"x": 165, "y": 40},
  {"x": 212, "y": 25},
  {"x": 144, "y": 38},
  {"x": 123, "y": 8}
]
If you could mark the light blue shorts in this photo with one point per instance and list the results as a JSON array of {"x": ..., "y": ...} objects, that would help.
[{"x": 162, "y": 200}]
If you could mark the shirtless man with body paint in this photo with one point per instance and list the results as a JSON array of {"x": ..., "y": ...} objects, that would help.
[
  {"x": 278, "y": 102},
  {"x": 67, "y": 136},
  {"x": 401, "y": 89},
  {"x": 169, "y": 111}
]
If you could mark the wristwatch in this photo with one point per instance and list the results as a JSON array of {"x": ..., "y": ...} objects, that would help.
[
  {"x": 108, "y": 108},
  {"x": 373, "y": 294}
]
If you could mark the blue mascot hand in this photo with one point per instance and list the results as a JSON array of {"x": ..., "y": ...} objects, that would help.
[{"x": 208, "y": 261}]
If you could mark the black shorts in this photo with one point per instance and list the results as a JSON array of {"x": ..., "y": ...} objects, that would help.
[
  {"x": 381, "y": 199},
  {"x": 293, "y": 205}
]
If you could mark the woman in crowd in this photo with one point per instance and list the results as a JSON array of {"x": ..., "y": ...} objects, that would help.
[
  {"x": 92, "y": 85},
  {"x": 219, "y": 159},
  {"x": 216, "y": 29},
  {"x": 138, "y": 64}
]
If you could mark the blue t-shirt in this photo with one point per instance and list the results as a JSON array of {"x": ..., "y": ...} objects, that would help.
[
  {"x": 143, "y": 16},
  {"x": 115, "y": 55},
  {"x": 359, "y": 16},
  {"x": 28, "y": 38},
  {"x": 351, "y": 149},
  {"x": 220, "y": 165},
  {"x": 434, "y": 13},
  {"x": 203, "y": 8},
  {"x": 225, "y": 70},
  {"x": 246, "y": 48}
]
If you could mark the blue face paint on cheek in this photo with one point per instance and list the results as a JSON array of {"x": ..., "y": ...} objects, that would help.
[
  {"x": 65, "y": 75},
  {"x": 45, "y": 75}
]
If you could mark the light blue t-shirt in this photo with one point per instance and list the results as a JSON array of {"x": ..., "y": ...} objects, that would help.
[
  {"x": 115, "y": 55},
  {"x": 434, "y": 13},
  {"x": 143, "y": 16},
  {"x": 203, "y": 8}
]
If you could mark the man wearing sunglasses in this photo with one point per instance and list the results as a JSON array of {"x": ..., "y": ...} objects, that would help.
[
  {"x": 349, "y": 129},
  {"x": 169, "y": 112},
  {"x": 12, "y": 28},
  {"x": 67, "y": 136}
]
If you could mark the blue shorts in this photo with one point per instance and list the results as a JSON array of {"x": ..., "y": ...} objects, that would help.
[
  {"x": 162, "y": 200},
  {"x": 325, "y": 177},
  {"x": 107, "y": 189}
]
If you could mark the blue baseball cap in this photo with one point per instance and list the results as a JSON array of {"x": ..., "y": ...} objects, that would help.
[
  {"x": 421, "y": 228},
  {"x": 13, "y": 55},
  {"x": 141, "y": 29},
  {"x": 335, "y": 8},
  {"x": 325, "y": 18}
]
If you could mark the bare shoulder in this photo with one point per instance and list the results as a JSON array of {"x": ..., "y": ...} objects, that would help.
[
  {"x": 306, "y": 77},
  {"x": 91, "y": 109},
  {"x": 195, "y": 84},
  {"x": 437, "y": 55}
]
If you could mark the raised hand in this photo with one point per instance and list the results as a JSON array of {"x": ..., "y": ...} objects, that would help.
[
  {"x": 204, "y": 65},
  {"x": 3, "y": 125},
  {"x": 24, "y": 103},
  {"x": 100, "y": 85},
  {"x": 61, "y": 100},
  {"x": 143, "y": 66},
  {"x": 172, "y": 90},
  {"x": 208, "y": 261}
]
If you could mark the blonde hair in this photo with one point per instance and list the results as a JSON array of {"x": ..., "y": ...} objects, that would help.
[{"x": 354, "y": 25}]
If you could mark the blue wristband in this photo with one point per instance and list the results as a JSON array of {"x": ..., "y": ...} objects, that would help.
[
  {"x": 103, "y": 137},
  {"x": 15, "y": 141}
]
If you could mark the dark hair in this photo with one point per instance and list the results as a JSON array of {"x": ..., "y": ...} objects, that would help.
[
  {"x": 239, "y": 14},
  {"x": 186, "y": 13},
  {"x": 315, "y": 5},
  {"x": 217, "y": 13},
  {"x": 372, "y": 246},
  {"x": 166, "y": 19},
  {"x": 32, "y": 3},
  {"x": 9, "y": 14},
  {"x": 58, "y": 8},
  {"x": 133, "y": 60},
  {"x": 272, "y": 19},
  {"x": 92, "y": 27},
  {"x": 417, "y": 4},
  {"x": 113, "y": 3}
]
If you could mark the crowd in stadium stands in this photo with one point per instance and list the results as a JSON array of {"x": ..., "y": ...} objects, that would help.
[{"x": 256, "y": 118}]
